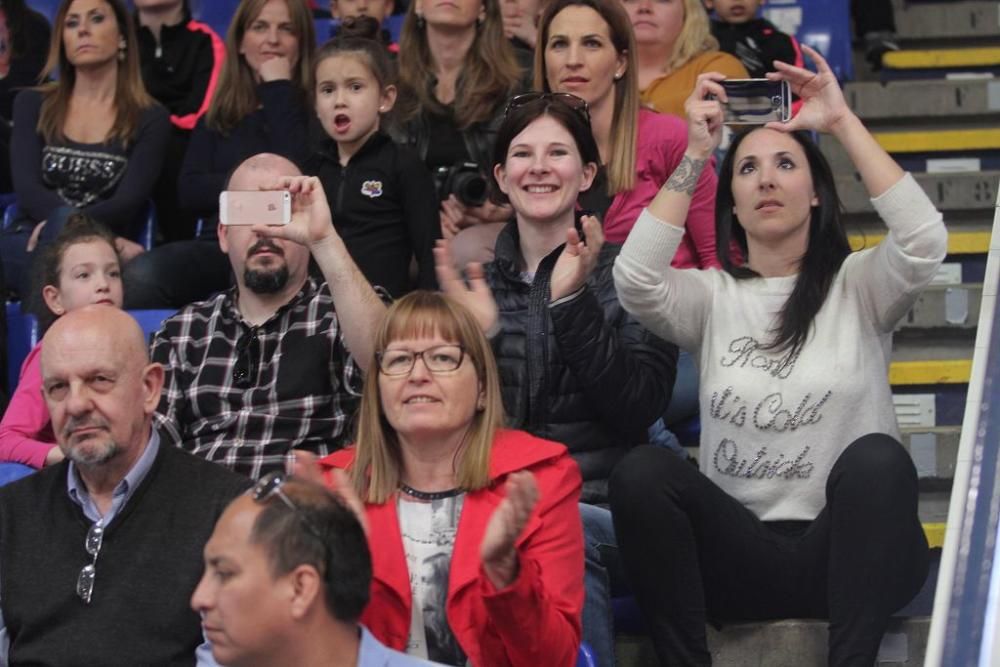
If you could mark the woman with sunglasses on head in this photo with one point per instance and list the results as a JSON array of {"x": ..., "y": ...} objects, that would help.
[
  {"x": 90, "y": 142},
  {"x": 586, "y": 48},
  {"x": 574, "y": 366},
  {"x": 806, "y": 503},
  {"x": 456, "y": 71},
  {"x": 477, "y": 554}
]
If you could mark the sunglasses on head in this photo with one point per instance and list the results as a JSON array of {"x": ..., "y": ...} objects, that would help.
[{"x": 577, "y": 104}]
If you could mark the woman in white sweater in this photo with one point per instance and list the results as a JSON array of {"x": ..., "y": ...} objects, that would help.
[{"x": 806, "y": 503}]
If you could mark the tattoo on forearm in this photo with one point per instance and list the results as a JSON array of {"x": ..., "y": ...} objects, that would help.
[{"x": 685, "y": 176}]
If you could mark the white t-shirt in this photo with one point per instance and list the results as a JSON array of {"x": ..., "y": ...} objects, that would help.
[
  {"x": 428, "y": 530},
  {"x": 773, "y": 424}
]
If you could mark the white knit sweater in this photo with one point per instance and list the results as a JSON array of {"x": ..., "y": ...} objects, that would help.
[{"x": 772, "y": 425}]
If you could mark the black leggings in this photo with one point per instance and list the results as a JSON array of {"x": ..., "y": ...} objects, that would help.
[{"x": 694, "y": 553}]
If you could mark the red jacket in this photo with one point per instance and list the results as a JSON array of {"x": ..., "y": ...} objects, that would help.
[{"x": 536, "y": 620}]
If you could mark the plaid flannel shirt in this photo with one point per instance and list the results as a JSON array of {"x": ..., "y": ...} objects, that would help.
[{"x": 245, "y": 396}]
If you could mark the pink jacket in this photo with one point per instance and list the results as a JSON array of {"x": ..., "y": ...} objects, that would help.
[
  {"x": 661, "y": 144},
  {"x": 533, "y": 622},
  {"x": 26, "y": 430}
]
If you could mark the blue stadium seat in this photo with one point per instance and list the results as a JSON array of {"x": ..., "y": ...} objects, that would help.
[
  {"x": 11, "y": 472},
  {"x": 216, "y": 13},
  {"x": 823, "y": 25},
  {"x": 324, "y": 29},
  {"x": 45, "y": 7},
  {"x": 394, "y": 24},
  {"x": 585, "y": 658}
]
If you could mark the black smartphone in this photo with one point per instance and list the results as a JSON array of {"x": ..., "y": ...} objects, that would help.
[{"x": 756, "y": 101}]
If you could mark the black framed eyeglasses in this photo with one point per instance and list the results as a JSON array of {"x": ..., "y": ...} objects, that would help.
[
  {"x": 437, "y": 359},
  {"x": 269, "y": 486},
  {"x": 575, "y": 103},
  {"x": 243, "y": 369},
  {"x": 92, "y": 543}
]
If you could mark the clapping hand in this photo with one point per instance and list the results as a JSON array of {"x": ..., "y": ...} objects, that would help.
[
  {"x": 305, "y": 466},
  {"x": 476, "y": 296},
  {"x": 497, "y": 550},
  {"x": 823, "y": 103},
  {"x": 578, "y": 258}
]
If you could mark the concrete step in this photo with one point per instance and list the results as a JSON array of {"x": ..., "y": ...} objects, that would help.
[
  {"x": 972, "y": 190},
  {"x": 788, "y": 643},
  {"x": 945, "y": 307},
  {"x": 948, "y": 20},
  {"x": 934, "y": 452},
  {"x": 929, "y": 149},
  {"x": 921, "y": 99}
]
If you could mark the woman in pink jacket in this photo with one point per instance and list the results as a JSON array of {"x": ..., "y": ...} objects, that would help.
[{"x": 477, "y": 547}]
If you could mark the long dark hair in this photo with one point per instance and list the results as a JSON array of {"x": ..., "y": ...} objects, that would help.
[
  {"x": 521, "y": 117},
  {"x": 826, "y": 250}
]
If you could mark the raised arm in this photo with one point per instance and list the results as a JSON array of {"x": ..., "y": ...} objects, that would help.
[
  {"x": 673, "y": 303},
  {"x": 824, "y": 109},
  {"x": 889, "y": 277},
  {"x": 359, "y": 308}
]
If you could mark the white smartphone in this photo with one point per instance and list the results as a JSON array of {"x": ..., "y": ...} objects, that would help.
[
  {"x": 255, "y": 207},
  {"x": 756, "y": 101}
]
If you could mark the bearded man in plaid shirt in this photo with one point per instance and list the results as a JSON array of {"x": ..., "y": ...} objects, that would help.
[{"x": 276, "y": 362}]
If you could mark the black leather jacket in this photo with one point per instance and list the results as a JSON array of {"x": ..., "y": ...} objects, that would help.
[{"x": 582, "y": 372}]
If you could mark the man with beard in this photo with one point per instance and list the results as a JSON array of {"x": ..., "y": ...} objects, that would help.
[
  {"x": 100, "y": 553},
  {"x": 267, "y": 366}
]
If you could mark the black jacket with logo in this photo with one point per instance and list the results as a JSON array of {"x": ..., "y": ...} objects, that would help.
[{"x": 385, "y": 208}]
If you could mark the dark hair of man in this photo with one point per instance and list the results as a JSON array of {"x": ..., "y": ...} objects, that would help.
[
  {"x": 826, "y": 250},
  {"x": 342, "y": 559},
  {"x": 518, "y": 118},
  {"x": 79, "y": 228}
]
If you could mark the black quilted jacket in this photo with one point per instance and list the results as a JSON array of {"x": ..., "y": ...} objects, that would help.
[{"x": 583, "y": 372}]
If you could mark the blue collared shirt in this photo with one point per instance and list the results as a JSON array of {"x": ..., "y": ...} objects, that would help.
[
  {"x": 78, "y": 493},
  {"x": 373, "y": 653}
]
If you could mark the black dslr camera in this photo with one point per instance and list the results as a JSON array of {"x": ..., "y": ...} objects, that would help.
[{"x": 464, "y": 180}]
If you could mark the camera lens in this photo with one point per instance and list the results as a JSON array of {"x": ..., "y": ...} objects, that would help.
[{"x": 470, "y": 188}]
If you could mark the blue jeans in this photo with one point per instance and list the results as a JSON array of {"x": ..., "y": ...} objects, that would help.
[
  {"x": 598, "y": 619},
  {"x": 683, "y": 404}
]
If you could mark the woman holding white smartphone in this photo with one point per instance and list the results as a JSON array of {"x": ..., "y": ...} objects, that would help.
[{"x": 805, "y": 503}]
